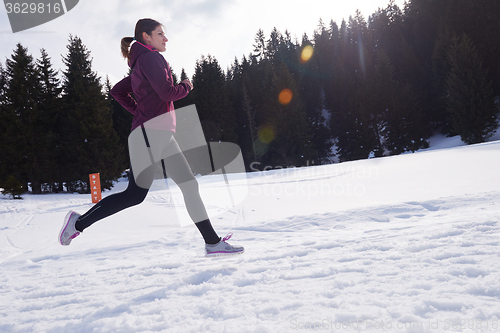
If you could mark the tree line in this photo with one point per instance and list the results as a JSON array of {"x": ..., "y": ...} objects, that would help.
[
  {"x": 381, "y": 85},
  {"x": 53, "y": 132}
]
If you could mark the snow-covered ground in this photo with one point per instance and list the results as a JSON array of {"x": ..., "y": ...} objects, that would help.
[{"x": 408, "y": 243}]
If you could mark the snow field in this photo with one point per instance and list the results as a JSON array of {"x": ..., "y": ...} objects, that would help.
[{"x": 409, "y": 243}]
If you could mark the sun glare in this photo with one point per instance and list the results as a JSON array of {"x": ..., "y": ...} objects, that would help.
[
  {"x": 306, "y": 54},
  {"x": 266, "y": 134},
  {"x": 285, "y": 96}
]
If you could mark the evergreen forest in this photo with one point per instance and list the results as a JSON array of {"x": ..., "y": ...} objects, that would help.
[{"x": 373, "y": 86}]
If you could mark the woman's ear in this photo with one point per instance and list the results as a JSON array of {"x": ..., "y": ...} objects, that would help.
[{"x": 145, "y": 37}]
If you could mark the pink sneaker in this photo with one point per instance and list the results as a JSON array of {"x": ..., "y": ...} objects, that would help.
[
  {"x": 68, "y": 231},
  {"x": 223, "y": 249}
]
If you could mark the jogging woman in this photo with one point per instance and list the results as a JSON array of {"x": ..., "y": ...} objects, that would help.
[{"x": 152, "y": 85}]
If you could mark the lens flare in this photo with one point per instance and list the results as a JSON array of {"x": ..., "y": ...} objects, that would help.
[
  {"x": 306, "y": 54},
  {"x": 285, "y": 96},
  {"x": 266, "y": 134}
]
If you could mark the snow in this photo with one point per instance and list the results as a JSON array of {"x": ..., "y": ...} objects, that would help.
[{"x": 407, "y": 243}]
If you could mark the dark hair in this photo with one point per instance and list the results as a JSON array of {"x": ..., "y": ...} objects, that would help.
[{"x": 143, "y": 25}]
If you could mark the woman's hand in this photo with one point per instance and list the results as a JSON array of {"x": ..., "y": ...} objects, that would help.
[{"x": 186, "y": 81}]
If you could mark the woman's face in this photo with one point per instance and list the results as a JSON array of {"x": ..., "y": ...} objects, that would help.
[{"x": 157, "y": 39}]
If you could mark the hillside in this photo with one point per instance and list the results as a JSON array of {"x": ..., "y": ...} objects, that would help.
[{"x": 408, "y": 243}]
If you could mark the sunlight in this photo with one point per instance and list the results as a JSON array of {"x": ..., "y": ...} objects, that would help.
[
  {"x": 285, "y": 96},
  {"x": 306, "y": 54},
  {"x": 266, "y": 134}
]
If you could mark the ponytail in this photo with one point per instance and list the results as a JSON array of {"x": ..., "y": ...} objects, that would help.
[
  {"x": 143, "y": 25},
  {"x": 125, "y": 46}
]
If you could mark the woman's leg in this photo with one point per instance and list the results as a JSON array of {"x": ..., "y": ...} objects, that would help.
[
  {"x": 178, "y": 170},
  {"x": 112, "y": 204}
]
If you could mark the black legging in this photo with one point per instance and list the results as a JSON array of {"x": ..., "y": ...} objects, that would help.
[{"x": 179, "y": 171}]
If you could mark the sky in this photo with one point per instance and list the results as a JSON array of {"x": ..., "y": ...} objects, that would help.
[{"x": 221, "y": 28}]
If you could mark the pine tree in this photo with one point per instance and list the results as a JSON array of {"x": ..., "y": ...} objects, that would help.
[
  {"x": 311, "y": 80},
  {"x": 50, "y": 110},
  {"x": 3, "y": 85},
  {"x": 479, "y": 20},
  {"x": 360, "y": 42},
  {"x": 470, "y": 99},
  {"x": 285, "y": 129},
  {"x": 386, "y": 28},
  {"x": 13, "y": 187},
  {"x": 355, "y": 139},
  {"x": 287, "y": 53},
  {"x": 4, "y": 121},
  {"x": 248, "y": 87},
  {"x": 441, "y": 69},
  {"x": 212, "y": 101},
  {"x": 243, "y": 109},
  {"x": 404, "y": 124},
  {"x": 183, "y": 75},
  {"x": 188, "y": 100},
  {"x": 356, "y": 121},
  {"x": 122, "y": 122},
  {"x": 26, "y": 146},
  {"x": 273, "y": 43},
  {"x": 250, "y": 117},
  {"x": 174, "y": 76},
  {"x": 89, "y": 142},
  {"x": 379, "y": 97},
  {"x": 415, "y": 127},
  {"x": 422, "y": 23},
  {"x": 339, "y": 100},
  {"x": 259, "y": 46}
]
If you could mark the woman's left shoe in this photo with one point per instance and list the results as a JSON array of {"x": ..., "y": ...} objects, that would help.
[
  {"x": 68, "y": 231},
  {"x": 222, "y": 248}
]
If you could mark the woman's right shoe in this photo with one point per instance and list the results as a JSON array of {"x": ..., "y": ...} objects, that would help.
[{"x": 222, "y": 248}]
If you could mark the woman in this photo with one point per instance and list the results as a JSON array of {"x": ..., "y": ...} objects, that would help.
[{"x": 152, "y": 85}]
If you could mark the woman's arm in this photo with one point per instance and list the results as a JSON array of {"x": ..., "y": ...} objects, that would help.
[
  {"x": 156, "y": 72},
  {"x": 122, "y": 92}
]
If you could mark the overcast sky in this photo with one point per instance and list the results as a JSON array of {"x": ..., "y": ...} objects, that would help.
[{"x": 223, "y": 28}]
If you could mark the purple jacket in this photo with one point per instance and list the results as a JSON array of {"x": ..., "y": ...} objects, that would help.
[{"x": 153, "y": 87}]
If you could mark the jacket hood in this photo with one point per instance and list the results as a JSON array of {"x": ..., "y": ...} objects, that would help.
[{"x": 137, "y": 50}]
